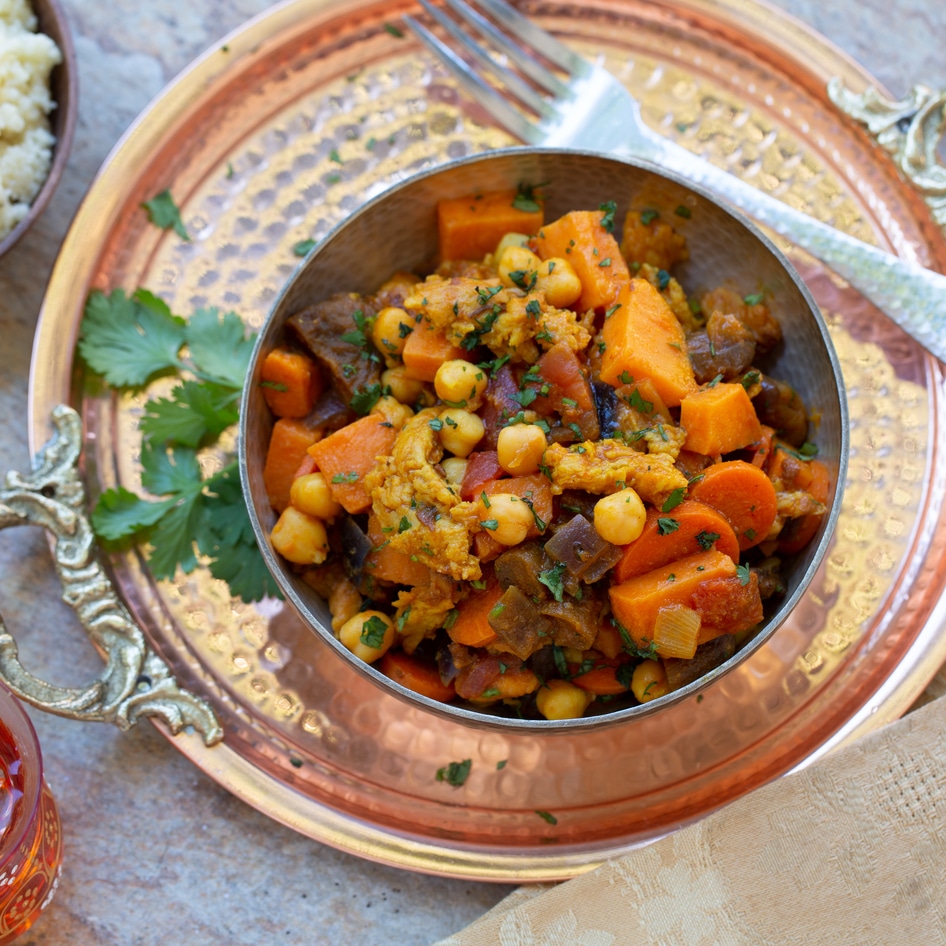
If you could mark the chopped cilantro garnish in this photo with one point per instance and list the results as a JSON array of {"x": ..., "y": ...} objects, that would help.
[
  {"x": 373, "y": 631},
  {"x": 754, "y": 299},
  {"x": 546, "y": 816},
  {"x": 674, "y": 499},
  {"x": 491, "y": 524},
  {"x": 649, "y": 216},
  {"x": 304, "y": 247},
  {"x": 666, "y": 525},
  {"x": 607, "y": 217},
  {"x": 164, "y": 213},
  {"x": 552, "y": 579},
  {"x": 743, "y": 573},
  {"x": 639, "y": 404},
  {"x": 404, "y": 524},
  {"x": 364, "y": 399},
  {"x": 527, "y": 198},
  {"x": 663, "y": 279},
  {"x": 683, "y": 211},
  {"x": 350, "y": 477},
  {"x": 706, "y": 539},
  {"x": 456, "y": 773}
]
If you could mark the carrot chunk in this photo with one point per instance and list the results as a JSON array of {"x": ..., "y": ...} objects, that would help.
[
  {"x": 348, "y": 454},
  {"x": 719, "y": 419},
  {"x": 417, "y": 676},
  {"x": 472, "y": 627},
  {"x": 288, "y": 450},
  {"x": 470, "y": 227},
  {"x": 689, "y": 528},
  {"x": 389, "y": 564},
  {"x": 743, "y": 494},
  {"x": 535, "y": 489},
  {"x": 643, "y": 339},
  {"x": 291, "y": 382},
  {"x": 593, "y": 252}
]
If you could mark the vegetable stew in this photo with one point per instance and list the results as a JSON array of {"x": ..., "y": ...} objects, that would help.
[{"x": 545, "y": 476}]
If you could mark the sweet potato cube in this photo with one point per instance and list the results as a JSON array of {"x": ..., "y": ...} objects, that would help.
[
  {"x": 593, "y": 252},
  {"x": 425, "y": 350},
  {"x": 719, "y": 419},
  {"x": 643, "y": 339},
  {"x": 345, "y": 456},
  {"x": 637, "y": 602},
  {"x": 288, "y": 449},
  {"x": 389, "y": 564},
  {"x": 292, "y": 382},
  {"x": 470, "y": 227}
]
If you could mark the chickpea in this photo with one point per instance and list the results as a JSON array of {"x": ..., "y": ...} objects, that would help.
[
  {"x": 518, "y": 267},
  {"x": 559, "y": 281},
  {"x": 649, "y": 681},
  {"x": 455, "y": 469},
  {"x": 406, "y": 390},
  {"x": 368, "y": 635},
  {"x": 559, "y": 699},
  {"x": 512, "y": 517},
  {"x": 620, "y": 517},
  {"x": 520, "y": 448},
  {"x": 461, "y": 431},
  {"x": 300, "y": 538},
  {"x": 390, "y": 330},
  {"x": 311, "y": 494},
  {"x": 460, "y": 383},
  {"x": 509, "y": 239},
  {"x": 393, "y": 411}
]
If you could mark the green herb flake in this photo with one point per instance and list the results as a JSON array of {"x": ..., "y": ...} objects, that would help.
[
  {"x": 350, "y": 477},
  {"x": 501, "y": 764},
  {"x": 649, "y": 216},
  {"x": 754, "y": 299},
  {"x": 674, "y": 499},
  {"x": 706, "y": 540},
  {"x": 304, "y": 247},
  {"x": 373, "y": 631},
  {"x": 608, "y": 209},
  {"x": 683, "y": 211},
  {"x": 605, "y": 262},
  {"x": 455, "y": 773},
  {"x": 608, "y": 313},
  {"x": 491, "y": 524},
  {"x": 663, "y": 279},
  {"x": 404, "y": 524},
  {"x": 547, "y": 816},
  {"x": 665, "y": 526},
  {"x": 527, "y": 198},
  {"x": 552, "y": 579},
  {"x": 164, "y": 213},
  {"x": 393, "y": 30},
  {"x": 743, "y": 574}
]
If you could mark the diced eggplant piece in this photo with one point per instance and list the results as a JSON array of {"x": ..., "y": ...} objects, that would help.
[
  {"x": 780, "y": 406},
  {"x": 770, "y": 577},
  {"x": 584, "y": 553},
  {"x": 518, "y": 624},
  {"x": 520, "y": 566},
  {"x": 606, "y": 404},
  {"x": 327, "y": 330},
  {"x": 574, "y": 623},
  {"x": 725, "y": 347},
  {"x": 708, "y": 656},
  {"x": 355, "y": 547}
]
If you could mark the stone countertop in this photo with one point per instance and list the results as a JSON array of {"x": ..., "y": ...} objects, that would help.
[{"x": 156, "y": 852}]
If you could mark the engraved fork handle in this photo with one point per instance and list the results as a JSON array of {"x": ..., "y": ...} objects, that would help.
[{"x": 913, "y": 297}]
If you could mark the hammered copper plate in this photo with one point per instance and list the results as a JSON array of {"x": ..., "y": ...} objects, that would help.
[{"x": 275, "y": 135}]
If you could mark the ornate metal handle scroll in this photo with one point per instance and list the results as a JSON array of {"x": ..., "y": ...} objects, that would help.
[
  {"x": 135, "y": 681},
  {"x": 910, "y": 130}
]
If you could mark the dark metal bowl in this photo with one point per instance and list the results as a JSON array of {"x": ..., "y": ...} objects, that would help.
[
  {"x": 64, "y": 86},
  {"x": 398, "y": 231}
]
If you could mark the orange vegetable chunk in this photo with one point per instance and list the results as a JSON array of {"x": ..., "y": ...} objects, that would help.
[
  {"x": 644, "y": 339},
  {"x": 470, "y": 227},
  {"x": 602, "y": 679},
  {"x": 288, "y": 450},
  {"x": 637, "y": 602},
  {"x": 534, "y": 488},
  {"x": 743, "y": 494},
  {"x": 593, "y": 252},
  {"x": 417, "y": 676},
  {"x": 719, "y": 419},
  {"x": 389, "y": 564},
  {"x": 472, "y": 627},
  {"x": 348, "y": 454},
  {"x": 698, "y": 528},
  {"x": 291, "y": 382},
  {"x": 799, "y": 532},
  {"x": 426, "y": 350}
]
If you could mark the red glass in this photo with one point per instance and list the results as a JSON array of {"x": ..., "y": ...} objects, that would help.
[{"x": 30, "y": 831}]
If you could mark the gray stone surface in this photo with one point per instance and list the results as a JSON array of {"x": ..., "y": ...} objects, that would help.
[{"x": 157, "y": 853}]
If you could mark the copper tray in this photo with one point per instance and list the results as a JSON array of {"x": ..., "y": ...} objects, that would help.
[{"x": 271, "y": 138}]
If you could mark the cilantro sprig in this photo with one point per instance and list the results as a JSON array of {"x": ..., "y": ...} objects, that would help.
[{"x": 130, "y": 342}]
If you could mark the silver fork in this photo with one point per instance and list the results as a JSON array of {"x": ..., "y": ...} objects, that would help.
[{"x": 591, "y": 109}]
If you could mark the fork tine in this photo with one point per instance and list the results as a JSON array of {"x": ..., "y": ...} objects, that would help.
[
  {"x": 517, "y": 86},
  {"x": 477, "y": 88},
  {"x": 536, "y": 37},
  {"x": 529, "y": 66}
]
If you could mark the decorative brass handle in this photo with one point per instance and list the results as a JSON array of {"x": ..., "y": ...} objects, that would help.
[{"x": 135, "y": 681}]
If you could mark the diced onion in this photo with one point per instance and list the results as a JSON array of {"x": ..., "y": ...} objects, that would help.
[{"x": 675, "y": 632}]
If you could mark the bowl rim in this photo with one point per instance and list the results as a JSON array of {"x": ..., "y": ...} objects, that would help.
[
  {"x": 483, "y": 719},
  {"x": 53, "y": 22}
]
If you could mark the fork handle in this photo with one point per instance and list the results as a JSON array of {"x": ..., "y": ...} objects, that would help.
[{"x": 912, "y": 296}]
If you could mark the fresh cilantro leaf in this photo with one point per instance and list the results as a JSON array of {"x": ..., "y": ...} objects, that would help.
[
  {"x": 364, "y": 399},
  {"x": 304, "y": 247},
  {"x": 172, "y": 539},
  {"x": 120, "y": 514},
  {"x": 169, "y": 471},
  {"x": 501, "y": 764},
  {"x": 546, "y": 816},
  {"x": 527, "y": 198},
  {"x": 129, "y": 341},
  {"x": 649, "y": 216},
  {"x": 683, "y": 211},
  {"x": 663, "y": 279},
  {"x": 561, "y": 664},
  {"x": 393, "y": 30},
  {"x": 219, "y": 347},
  {"x": 666, "y": 525},
  {"x": 706, "y": 539},
  {"x": 552, "y": 579},
  {"x": 455, "y": 773},
  {"x": 607, "y": 217},
  {"x": 195, "y": 412},
  {"x": 674, "y": 499},
  {"x": 373, "y": 631},
  {"x": 743, "y": 573},
  {"x": 754, "y": 299},
  {"x": 164, "y": 213}
]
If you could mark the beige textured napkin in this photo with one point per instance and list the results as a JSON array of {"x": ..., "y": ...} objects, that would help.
[{"x": 851, "y": 850}]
